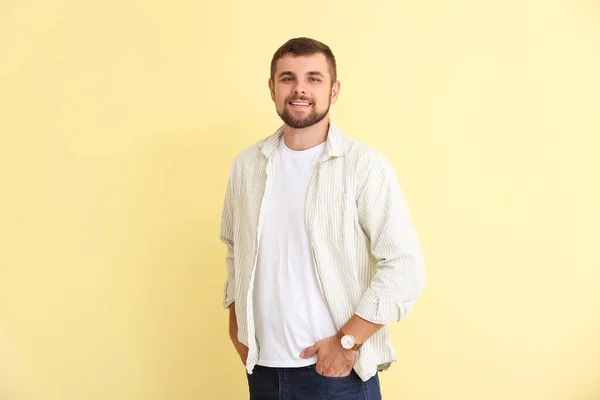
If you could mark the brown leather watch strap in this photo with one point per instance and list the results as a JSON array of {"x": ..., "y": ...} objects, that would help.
[{"x": 340, "y": 334}]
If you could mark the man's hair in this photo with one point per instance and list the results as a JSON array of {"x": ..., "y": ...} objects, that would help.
[{"x": 303, "y": 46}]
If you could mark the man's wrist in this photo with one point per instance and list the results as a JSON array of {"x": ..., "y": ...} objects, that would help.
[
  {"x": 360, "y": 328},
  {"x": 347, "y": 341}
]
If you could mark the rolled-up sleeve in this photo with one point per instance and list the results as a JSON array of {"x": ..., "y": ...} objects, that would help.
[
  {"x": 385, "y": 218},
  {"x": 227, "y": 238}
]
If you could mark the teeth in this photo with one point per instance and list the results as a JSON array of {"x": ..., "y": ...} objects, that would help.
[{"x": 299, "y": 104}]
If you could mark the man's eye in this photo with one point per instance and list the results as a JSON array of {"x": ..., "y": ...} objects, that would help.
[
  {"x": 315, "y": 79},
  {"x": 286, "y": 79}
]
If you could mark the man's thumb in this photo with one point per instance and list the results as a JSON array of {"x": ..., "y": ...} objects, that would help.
[{"x": 311, "y": 351}]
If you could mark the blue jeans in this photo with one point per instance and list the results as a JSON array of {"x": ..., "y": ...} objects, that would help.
[{"x": 266, "y": 383}]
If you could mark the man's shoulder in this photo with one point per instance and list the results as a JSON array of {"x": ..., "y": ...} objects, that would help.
[
  {"x": 356, "y": 149},
  {"x": 366, "y": 160},
  {"x": 353, "y": 145},
  {"x": 361, "y": 151},
  {"x": 251, "y": 153}
]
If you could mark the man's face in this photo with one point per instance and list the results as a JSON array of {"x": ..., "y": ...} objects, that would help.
[{"x": 302, "y": 89}]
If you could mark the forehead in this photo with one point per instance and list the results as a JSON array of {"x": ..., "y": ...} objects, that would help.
[{"x": 301, "y": 64}]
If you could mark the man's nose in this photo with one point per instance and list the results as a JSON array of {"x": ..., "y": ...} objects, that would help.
[{"x": 299, "y": 89}]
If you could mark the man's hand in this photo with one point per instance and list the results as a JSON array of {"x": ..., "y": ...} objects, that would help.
[
  {"x": 332, "y": 359},
  {"x": 241, "y": 349}
]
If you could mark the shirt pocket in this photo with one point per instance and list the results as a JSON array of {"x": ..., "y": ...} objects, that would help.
[{"x": 332, "y": 219}]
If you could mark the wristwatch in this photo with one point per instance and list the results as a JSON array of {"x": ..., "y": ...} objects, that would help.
[{"x": 348, "y": 342}]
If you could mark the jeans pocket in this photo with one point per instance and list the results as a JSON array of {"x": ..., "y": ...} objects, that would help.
[{"x": 333, "y": 378}]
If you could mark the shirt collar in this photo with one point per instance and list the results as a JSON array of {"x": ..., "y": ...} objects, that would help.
[{"x": 334, "y": 143}]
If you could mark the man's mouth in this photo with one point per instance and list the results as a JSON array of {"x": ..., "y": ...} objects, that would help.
[{"x": 299, "y": 104}]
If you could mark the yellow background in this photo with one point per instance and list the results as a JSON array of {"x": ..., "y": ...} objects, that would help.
[{"x": 119, "y": 120}]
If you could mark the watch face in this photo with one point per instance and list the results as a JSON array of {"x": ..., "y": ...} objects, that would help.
[{"x": 348, "y": 341}]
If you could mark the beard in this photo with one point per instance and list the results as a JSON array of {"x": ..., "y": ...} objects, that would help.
[{"x": 302, "y": 121}]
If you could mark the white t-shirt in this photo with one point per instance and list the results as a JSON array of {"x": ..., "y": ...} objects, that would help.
[{"x": 289, "y": 310}]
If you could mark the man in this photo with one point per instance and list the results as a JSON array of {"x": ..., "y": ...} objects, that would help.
[{"x": 322, "y": 252}]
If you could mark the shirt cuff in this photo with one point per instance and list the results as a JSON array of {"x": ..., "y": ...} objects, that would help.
[
  {"x": 227, "y": 295},
  {"x": 382, "y": 310}
]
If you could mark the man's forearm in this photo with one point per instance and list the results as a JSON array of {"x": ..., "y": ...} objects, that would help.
[
  {"x": 233, "y": 328},
  {"x": 360, "y": 328}
]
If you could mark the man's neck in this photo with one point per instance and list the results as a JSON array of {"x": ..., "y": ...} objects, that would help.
[{"x": 306, "y": 138}]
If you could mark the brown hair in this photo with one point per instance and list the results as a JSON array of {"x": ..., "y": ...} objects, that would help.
[{"x": 303, "y": 46}]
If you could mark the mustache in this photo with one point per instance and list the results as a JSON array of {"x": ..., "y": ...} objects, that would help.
[{"x": 299, "y": 99}]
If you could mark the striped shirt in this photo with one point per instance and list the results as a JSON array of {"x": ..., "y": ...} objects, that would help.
[{"x": 366, "y": 251}]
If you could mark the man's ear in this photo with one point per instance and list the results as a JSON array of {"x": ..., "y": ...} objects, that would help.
[
  {"x": 272, "y": 89},
  {"x": 335, "y": 92}
]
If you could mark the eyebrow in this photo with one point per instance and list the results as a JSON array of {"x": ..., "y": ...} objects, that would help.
[{"x": 310, "y": 73}]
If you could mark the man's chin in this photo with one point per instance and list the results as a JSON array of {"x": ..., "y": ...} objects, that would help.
[
  {"x": 298, "y": 123},
  {"x": 301, "y": 123},
  {"x": 296, "y": 126}
]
